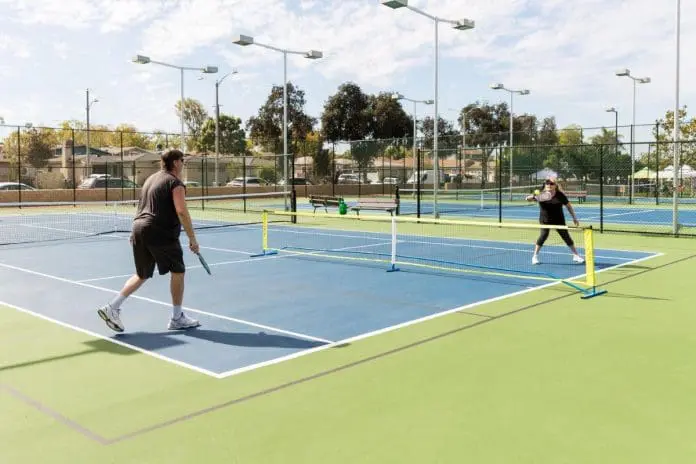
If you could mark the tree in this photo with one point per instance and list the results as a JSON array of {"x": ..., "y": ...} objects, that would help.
[
  {"x": 35, "y": 149},
  {"x": 266, "y": 129},
  {"x": 347, "y": 114},
  {"x": 486, "y": 125},
  {"x": 195, "y": 116},
  {"x": 617, "y": 163},
  {"x": 128, "y": 135},
  {"x": 448, "y": 137},
  {"x": 232, "y": 137},
  {"x": 389, "y": 120},
  {"x": 687, "y": 137}
]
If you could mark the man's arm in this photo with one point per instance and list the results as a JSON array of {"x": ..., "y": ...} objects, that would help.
[{"x": 179, "y": 194}]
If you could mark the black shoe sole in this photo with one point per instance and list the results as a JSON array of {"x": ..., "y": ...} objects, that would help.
[{"x": 110, "y": 324}]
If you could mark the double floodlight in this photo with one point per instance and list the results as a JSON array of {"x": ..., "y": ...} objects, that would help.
[
  {"x": 141, "y": 59},
  {"x": 627, "y": 73},
  {"x": 460, "y": 25},
  {"x": 399, "y": 96},
  {"x": 245, "y": 40},
  {"x": 499, "y": 86}
]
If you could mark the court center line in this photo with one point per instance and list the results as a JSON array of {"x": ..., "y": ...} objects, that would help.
[
  {"x": 162, "y": 303},
  {"x": 13, "y": 392}
]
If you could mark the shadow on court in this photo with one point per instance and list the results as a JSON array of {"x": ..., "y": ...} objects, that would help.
[
  {"x": 95, "y": 346},
  {"x": 159, "y": 340}
]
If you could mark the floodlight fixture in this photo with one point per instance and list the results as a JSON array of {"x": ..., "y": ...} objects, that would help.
[
  {"x": 497, "y": 86},
  {"x": 623, "y": 72},
  {"x": 395, "y": 4},
  {"x": 141, "y": 59},
  {"x": 243, "y": 40},
  {"x": 464, "y": 24}
]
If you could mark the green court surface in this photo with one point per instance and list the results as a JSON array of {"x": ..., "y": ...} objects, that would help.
[{"x": 542, "y": 377}]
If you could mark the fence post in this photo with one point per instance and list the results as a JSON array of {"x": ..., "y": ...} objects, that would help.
[{"x": 19, "y": 164}]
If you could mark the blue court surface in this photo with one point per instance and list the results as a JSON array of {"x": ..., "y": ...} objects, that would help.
[{"x": 260, "y": 310}]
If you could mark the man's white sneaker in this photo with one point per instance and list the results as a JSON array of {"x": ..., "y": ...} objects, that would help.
[
  {"x": 535, "y": 259},
  {"x": 183, "y": 322},
  {"x": 112, "y": 317},
  {"x": 578, "y": 259}
]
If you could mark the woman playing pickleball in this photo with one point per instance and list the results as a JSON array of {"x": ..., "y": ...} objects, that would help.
[{"x": 551, "y": 201}]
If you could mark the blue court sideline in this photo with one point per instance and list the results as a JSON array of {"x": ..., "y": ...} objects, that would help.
[{"x": 254, "y": 311}]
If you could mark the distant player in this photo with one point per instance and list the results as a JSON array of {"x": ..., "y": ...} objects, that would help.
[
  {"x": 551, "y": 201},
  {"x": 155, "y": 240}
]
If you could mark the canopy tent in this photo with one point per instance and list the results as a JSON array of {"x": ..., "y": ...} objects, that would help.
[
  {"x": 685, "y": 171},
  {"x": 645, "y": 173}
]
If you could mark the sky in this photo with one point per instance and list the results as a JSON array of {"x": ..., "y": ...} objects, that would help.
[{"x": 564, "y": 52}]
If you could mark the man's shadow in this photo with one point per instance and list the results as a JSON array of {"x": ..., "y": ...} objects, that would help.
[{"x": 159, "y": 340}]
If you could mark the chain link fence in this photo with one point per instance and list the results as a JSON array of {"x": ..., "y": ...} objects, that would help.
[{"x": 608, "y": 187}]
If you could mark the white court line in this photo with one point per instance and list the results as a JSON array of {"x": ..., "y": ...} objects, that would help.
[
  {"x": 248, "y": 260},
  {"x": 409, "y": 323},
  {"x": 622, "y": 214},
  {"x": 162, "y": 303},
  {"x": 112, "y": 340},
  {"x": 197, "y": 266}
]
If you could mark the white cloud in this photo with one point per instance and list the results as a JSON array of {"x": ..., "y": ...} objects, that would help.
[
  {"x": 565, "y": 52},
  {"x": 14, "y": 46},
  {"x": 61, "y": 49}
]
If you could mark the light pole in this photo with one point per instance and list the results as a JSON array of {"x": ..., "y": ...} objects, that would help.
[
  {"x": 601, "y": 166},
  {"x": 636, "y": 80},
  {"x": 245, "y": 40},
  {"x": 398, "y": 96},
  {"x": 87, "y": 107},
  {"x": 217, "y": 121},
  {"x": 140, "y": 59},
  {"x": 512, "y": 93},
  {"x": 461, "y": 25},
  {"x": 676, "y": 135}
]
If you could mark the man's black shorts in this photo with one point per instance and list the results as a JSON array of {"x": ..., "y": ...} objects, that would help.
[{"x": 149, "y": 249}]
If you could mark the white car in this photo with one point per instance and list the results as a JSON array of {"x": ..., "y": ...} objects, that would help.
[
  {"x": 15, "y": 186},
  {"x": 250, "y": 182}
]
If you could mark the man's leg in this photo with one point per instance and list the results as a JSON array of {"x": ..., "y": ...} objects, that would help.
[
  {"x": 176, "y": 286},
  {"x": 170, "y": 259},
  {"x": 144, "y": 268}
]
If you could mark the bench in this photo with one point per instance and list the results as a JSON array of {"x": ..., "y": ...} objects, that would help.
[
  {"x": 376, "y": 204},
  {"x": 580, "y": 195},
  {"x": 324, "y": 201}
]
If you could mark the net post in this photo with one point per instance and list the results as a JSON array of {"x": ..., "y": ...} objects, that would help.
[
  {"x": 397, "y": 197},
  {"x": 265, "y": 251},
  {"x": 393, "y": 267},
  {"x": 591, "y": 277},
  {"x": 293, "y": 205}
]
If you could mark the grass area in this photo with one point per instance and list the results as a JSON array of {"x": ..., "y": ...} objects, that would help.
[{"x": 545, "y": 378}]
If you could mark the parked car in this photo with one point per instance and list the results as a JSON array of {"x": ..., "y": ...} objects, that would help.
[
  {"x": 250, "y": 182},
  {"x": 106, "y": 182},
  {"x": 348, "y": 179},
  {"x": 295, "y": 181},
  {"x": 15, "y": 186}
]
